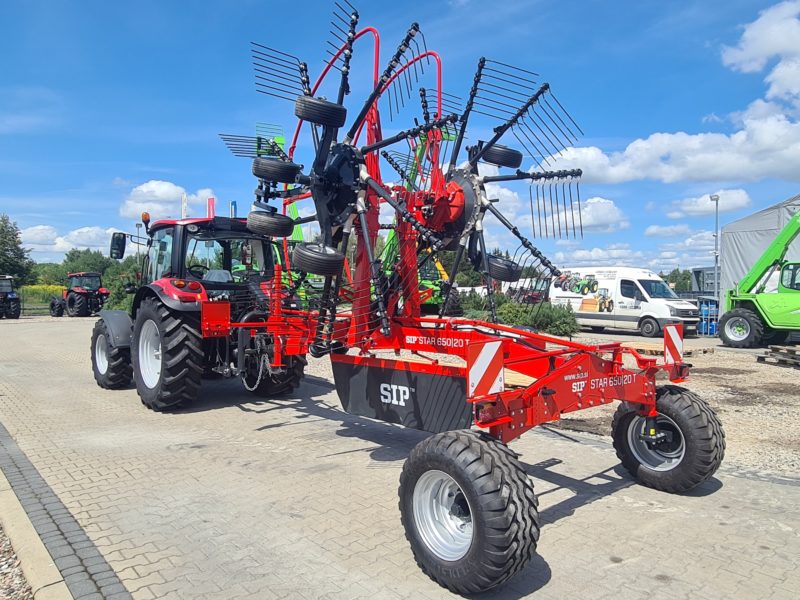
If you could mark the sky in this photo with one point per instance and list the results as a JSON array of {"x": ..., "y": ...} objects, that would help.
[{"x": 111, "y": 108}]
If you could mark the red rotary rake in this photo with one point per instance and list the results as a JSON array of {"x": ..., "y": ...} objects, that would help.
[{"x": 467, "y": 505}]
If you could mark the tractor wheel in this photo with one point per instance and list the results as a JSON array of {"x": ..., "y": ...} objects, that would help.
[
  {"x": 774, "y": 336},
  {"x": 111, "y": 366},
  {"x": 503, "y": 269},
  {"x": 469, "y": 510},
  {"x": 649, "y": 327},
  {"x": 584, "y": 290},
  {"x": 77, "y": 305},
  {"x": 270, "y": 224},
  {"x": 741, "y": 328},
  {"x": 274, "y": 169},
  {"x": 594, "y": 286},
  {"x": 597, "y": 328},
  {"x": 167, "y": 356},
  {"x": 691, "y": 452},
  {"x": 13, "y": 310},
  {"x": 273, "y": 384},
  {"x": 56, "y": 308},
  {"x": 454, "y": 308},
  {"x": 503, "y": 157},
  {"x": 319, "y": 111},
  {"x": 610, "y": 306},
  {"x": 317, "y": 259}
]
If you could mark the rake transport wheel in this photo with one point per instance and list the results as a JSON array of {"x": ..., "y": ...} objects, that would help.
[
  {"x": 274, "y": 169},
  {"x": 317, "y": 259},
  {"x": 269, "y": 223},
  {"x": 691, "y": 451},
  {"x": 503, "y": 156},
  {"x": 167, "y": 357},
  {"x": 319, "y": 111},
  {"x": 741, "y": 328},
  {"x": 503, "y": 269},
  {"x": 111, "y": 366},
  {"x": 469, "y": 510}
]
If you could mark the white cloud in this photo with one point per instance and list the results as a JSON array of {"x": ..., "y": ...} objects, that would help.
[
  {"x": 45, "y": 239},
  {"x": 613, "y": 254},
  {"x": 667, "y": 230},
  {"x": 602, "y": 215},
  {"x": 729, "y": 200},
  {"x": 162, "y": 199},
  {"x": 711, "y": 118},
  {"x": 766, "y": 143}
]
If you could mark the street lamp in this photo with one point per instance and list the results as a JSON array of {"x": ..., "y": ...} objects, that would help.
[
  {"x": 715, "y": 200},
  {"x": 138, "y": 228}
]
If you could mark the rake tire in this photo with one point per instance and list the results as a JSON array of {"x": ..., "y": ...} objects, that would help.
[
  {"x": 319, "y": 111},
  {"x": 503, "y": 269},
  {"x": 270, "y": 224},
  {"x": 503, "y": 156},
  {"x": 275, "y": 169},
  {"x": 317, "y": 259},
  {"x": 499, "y": 497}
]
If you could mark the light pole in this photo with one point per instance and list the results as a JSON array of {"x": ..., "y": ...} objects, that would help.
[
  {"x": 715, "y": 200},
  {"x": 138, "y": 228}
]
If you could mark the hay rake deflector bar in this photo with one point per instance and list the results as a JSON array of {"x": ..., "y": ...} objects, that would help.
[{"x": 437, "y": 374}]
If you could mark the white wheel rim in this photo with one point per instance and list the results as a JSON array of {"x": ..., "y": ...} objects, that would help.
[
  {"x": 101, "y": 354},
  {"x": 664, "y": 457},
  {"x": 737, "y": 329},
  {"x": 150, "y": 354},
  {"x": 442, "y": 515}
]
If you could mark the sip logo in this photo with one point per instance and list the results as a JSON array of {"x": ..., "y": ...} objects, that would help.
[{"x": 394, "y": 394}]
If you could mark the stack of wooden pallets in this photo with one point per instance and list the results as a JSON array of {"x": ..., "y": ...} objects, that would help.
[{"x": 784, "y": 356}]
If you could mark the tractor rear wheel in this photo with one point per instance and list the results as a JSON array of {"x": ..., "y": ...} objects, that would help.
[
  {"x": 741, "y": 328},
  {"x": 270, "y": 224},
  {"x": 56, "y": 308},
  {"x": 77, "y": 305},
  {"x": 691, "y": 451},
  {"x": 469, "y": 510},
  {"x": 13, "y": 310},
  {"x": 167, "y": 356},
  {"x": 317, "y": 259},
  {"x": 111, "y": 366}
]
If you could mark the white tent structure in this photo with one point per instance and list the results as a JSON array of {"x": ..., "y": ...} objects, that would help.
[{"x": 743, "y": 242}]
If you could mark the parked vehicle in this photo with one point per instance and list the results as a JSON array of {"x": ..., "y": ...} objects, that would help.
[
  {"x": 623, "y": 298},
  {"x": 752, "y": 314},
  {"x": 10, "y": 306},
  {"x": 83, "y": 296}
]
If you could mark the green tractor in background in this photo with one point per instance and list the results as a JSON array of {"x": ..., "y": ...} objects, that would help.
[{"x": 753, "y": 316}]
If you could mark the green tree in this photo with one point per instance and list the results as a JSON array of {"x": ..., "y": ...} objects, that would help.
[
  {"x": 14, "y": 259},
  {"x": 50, "y": 273},
  {"x": 116, "y": 277},
  {"x": 681, "y": 279},
  {"x": 76, "y": 261}
]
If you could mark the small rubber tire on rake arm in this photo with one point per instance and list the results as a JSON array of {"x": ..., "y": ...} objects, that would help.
[
  {"x": 503, "y": 269},
  {"x": 691, "y": 452},
  {"x": 317, "y": 259},
  {"x": 473, "y": 482},
  {"x": 319, "y": 111},
  {"x": 181, "y": 361},
  {"x": 274, "y": 169},
  {"x": 111, "y": 366},
  {"x": 270, "y": 224},
  {"x": 503, "y": 156}
]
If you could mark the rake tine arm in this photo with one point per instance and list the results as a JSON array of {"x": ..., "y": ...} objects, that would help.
[
  {"x": 409, "y": 133},
  {"x": 465, "y": 116},
  {"x": 522, "y": 239}
]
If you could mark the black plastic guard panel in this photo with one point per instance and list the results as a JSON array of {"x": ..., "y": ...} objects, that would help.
[{"x": 421, "y": 396}]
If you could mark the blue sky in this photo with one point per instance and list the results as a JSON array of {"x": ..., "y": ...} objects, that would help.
[{"x": 110, "y": 107}]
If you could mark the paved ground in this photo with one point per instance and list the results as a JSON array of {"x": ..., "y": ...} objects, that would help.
[{"x": 294, "y": 499}]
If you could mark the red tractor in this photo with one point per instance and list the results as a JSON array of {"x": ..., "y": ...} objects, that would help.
[
  {"x": 467, "y": 505},
  {"x": 84, "y": 296}
]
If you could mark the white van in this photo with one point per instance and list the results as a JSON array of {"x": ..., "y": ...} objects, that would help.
[{"x": 622, "y": 298}]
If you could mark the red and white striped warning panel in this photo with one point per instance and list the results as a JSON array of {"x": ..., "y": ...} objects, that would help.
[
  {"x": 673, "y": 343},
  {"x": 485, "y": 368}
]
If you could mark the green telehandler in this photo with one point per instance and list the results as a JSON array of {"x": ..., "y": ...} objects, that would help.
[{"x": 753, "y": 316}]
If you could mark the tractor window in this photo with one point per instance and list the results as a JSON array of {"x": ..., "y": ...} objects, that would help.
[
  {"x": 90, "y": 282},
  {"x": 159, "y": 255},
  {"x": 240, "y": 257},
  {"x": 790, "y": 276},
  {"x": 5, "y": 285}
]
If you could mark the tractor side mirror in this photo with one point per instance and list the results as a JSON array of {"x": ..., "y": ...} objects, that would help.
[{"x": 117, "y": 250}]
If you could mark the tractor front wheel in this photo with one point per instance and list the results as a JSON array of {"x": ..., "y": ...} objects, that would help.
[
  {"x": 469, "y": 510},
  {"x": 690, "y": 451},
  {"x": 111, "y": 366},
  {"x": 167, "y": 356},
  {"x": 13, "y": 310},
  {"x": 56, "y": 308}
]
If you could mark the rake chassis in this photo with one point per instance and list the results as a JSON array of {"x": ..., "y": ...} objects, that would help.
[{"x": 468, "y": 507}]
